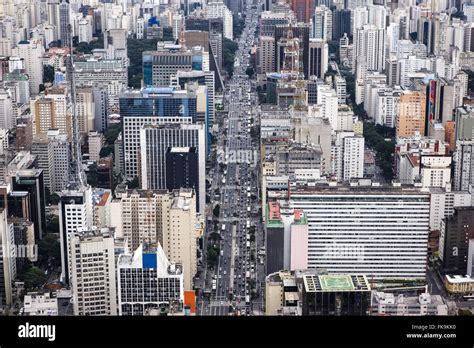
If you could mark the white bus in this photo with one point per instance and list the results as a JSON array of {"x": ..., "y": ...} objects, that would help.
[{"x": 223, "y": 227}]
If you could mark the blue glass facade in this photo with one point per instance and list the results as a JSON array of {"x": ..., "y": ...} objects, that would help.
[
  {"x": 158, "y": 106},
  {"x": 147, "y": 70}
]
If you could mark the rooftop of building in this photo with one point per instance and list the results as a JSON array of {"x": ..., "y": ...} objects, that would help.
[
  {"x": 181, "y": 149},
  {"x": 273, "y": 215},
  {"x": 94, "y": 232},
  {"x": 336, "y": 283},
  {"x": 300, "y": 218},
  {"x": 149, "y": 256},
  {"x": 183, "y": 199},
  {"x": 101, "y": 197},
  {"x": 356, "y": 186},
  {"x": 386, "y": 298},
  {"x": 457, "y": 279}
]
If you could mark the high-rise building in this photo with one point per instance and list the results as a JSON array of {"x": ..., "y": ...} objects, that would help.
[
  {"x": 322, "y": 23},
  {"x": 343, "y": 243},
  {"x": 341, "y": 23},
  {"x": 411, "y": 118},
  {"x": 31, "y": 52},
  {"x": 266, "y": 54},
  {"x": 156, "y": 140},
  {"x": 286, "y": 235},
  {"x": 85, "y": 29},
  {"x": 456, "y": 231},
  {"x": 182, "y": 168},
  {"x": 464, "y": 165},
  {"x": 369, "y": 42},
  {"x": 318, "y": 58},
  {"x": 31, "y": 181},
  {"x": 302, "y": 33},
  {"x": 115, "y": 43},
  {"x": 95, "y": 140},
  {"x": 93, "y": 272},
  {"x": 202, "y": 78},
  {"x": 52, "y": 111},
  {"x": 7, "y": 264},
  {"x": 147, "y": 280},
  {"x": 64, "y": 23},
  {"x": 142, "y": 224},
  {"x": 180, "y": 233},
  {"x": 217, "y": 9},
  {"x": 109, "y": 75},
  {"x": 159, "y": 66},
  {"x": 353, "y": 157},
  {"x": 75, "y": 212},
  {"x": 151, "y": 106},
  {"x": 6, "y": 110},
  {"x": 351, "y": 295},
  {"x": 53, "y": 155},
  {"x": 303, "y": 9},
  {"x": 85, "y": 108}
]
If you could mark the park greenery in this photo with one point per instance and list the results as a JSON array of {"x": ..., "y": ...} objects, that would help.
[
  {"x": 229, "y": 49},
  {"x": 87, "y": 47},
  {"x": 212, "y": 254},
  {"x": 216, "y": 210},
  {"x": 377, "y": 137}
]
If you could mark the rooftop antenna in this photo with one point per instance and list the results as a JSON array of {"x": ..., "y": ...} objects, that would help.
[{"x": 77, "y": 175}]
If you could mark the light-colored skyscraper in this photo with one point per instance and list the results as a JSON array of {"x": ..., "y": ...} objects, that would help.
[
  {"x": 7, "y": 260},
  {"x": 6, "y": 110},
  {"x": 322, "y": 23},
  {"x": 411, "y": 118},
  {"x": 52, "y": 111},
  {"x": 353, "y": 157},
  {"x": 155, "y": 140},
  {"x": 464, "y": 165},
  {"x": 369, "y": 42},
  {"x": 146, "y": 280},
  {"x": 217, "y": 9},
  {"x": 93, "y": 272},
  {"x": 75, "y": 212},
  {"x": 53, "y": 155},
  {"x": 180, "y": 233},
  {"x": 385, "y": 247},
  {"x": 32, "y": 52}
]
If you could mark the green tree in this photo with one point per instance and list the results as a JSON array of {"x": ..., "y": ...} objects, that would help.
[
  {"x": 34, "y": 278},
  {"x": 87, "y": 47},
  {"x": 48, "y": 74},
  {"x": 106, "y": 151},
  {"x": 470, "y": 79},
  {"x": 92, "y": 175},
  {"x": 53, "y": 224},
  {"x": 135, "y": 49},
  {"x": 464, "y": 312},
  {"x": 214, "y": 236},
  {"x": 168, "y": 34},
  {"x": 216, "y": 210},
  {"x": 237, "y": 26},
  {"x": 112, "y": 132},
  {"x": 49, "y": 247},
  {"x": 228, "y": 52},
  {"x": 250, "y": 71},
  {"x": 212, "y": 254},
  {"x": 133, "y": 184}
]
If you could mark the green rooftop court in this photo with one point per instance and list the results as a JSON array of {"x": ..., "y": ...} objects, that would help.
[{"x": 336, "y": 282}]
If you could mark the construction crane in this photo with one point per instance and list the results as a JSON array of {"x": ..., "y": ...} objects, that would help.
[{"x": 76, "y": 174}]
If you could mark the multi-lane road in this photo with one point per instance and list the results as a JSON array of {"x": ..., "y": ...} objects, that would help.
[{"x": 235, "y": 280}]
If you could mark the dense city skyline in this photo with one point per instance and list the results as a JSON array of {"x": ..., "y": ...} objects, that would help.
[{"x": 237, "y": 158}]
